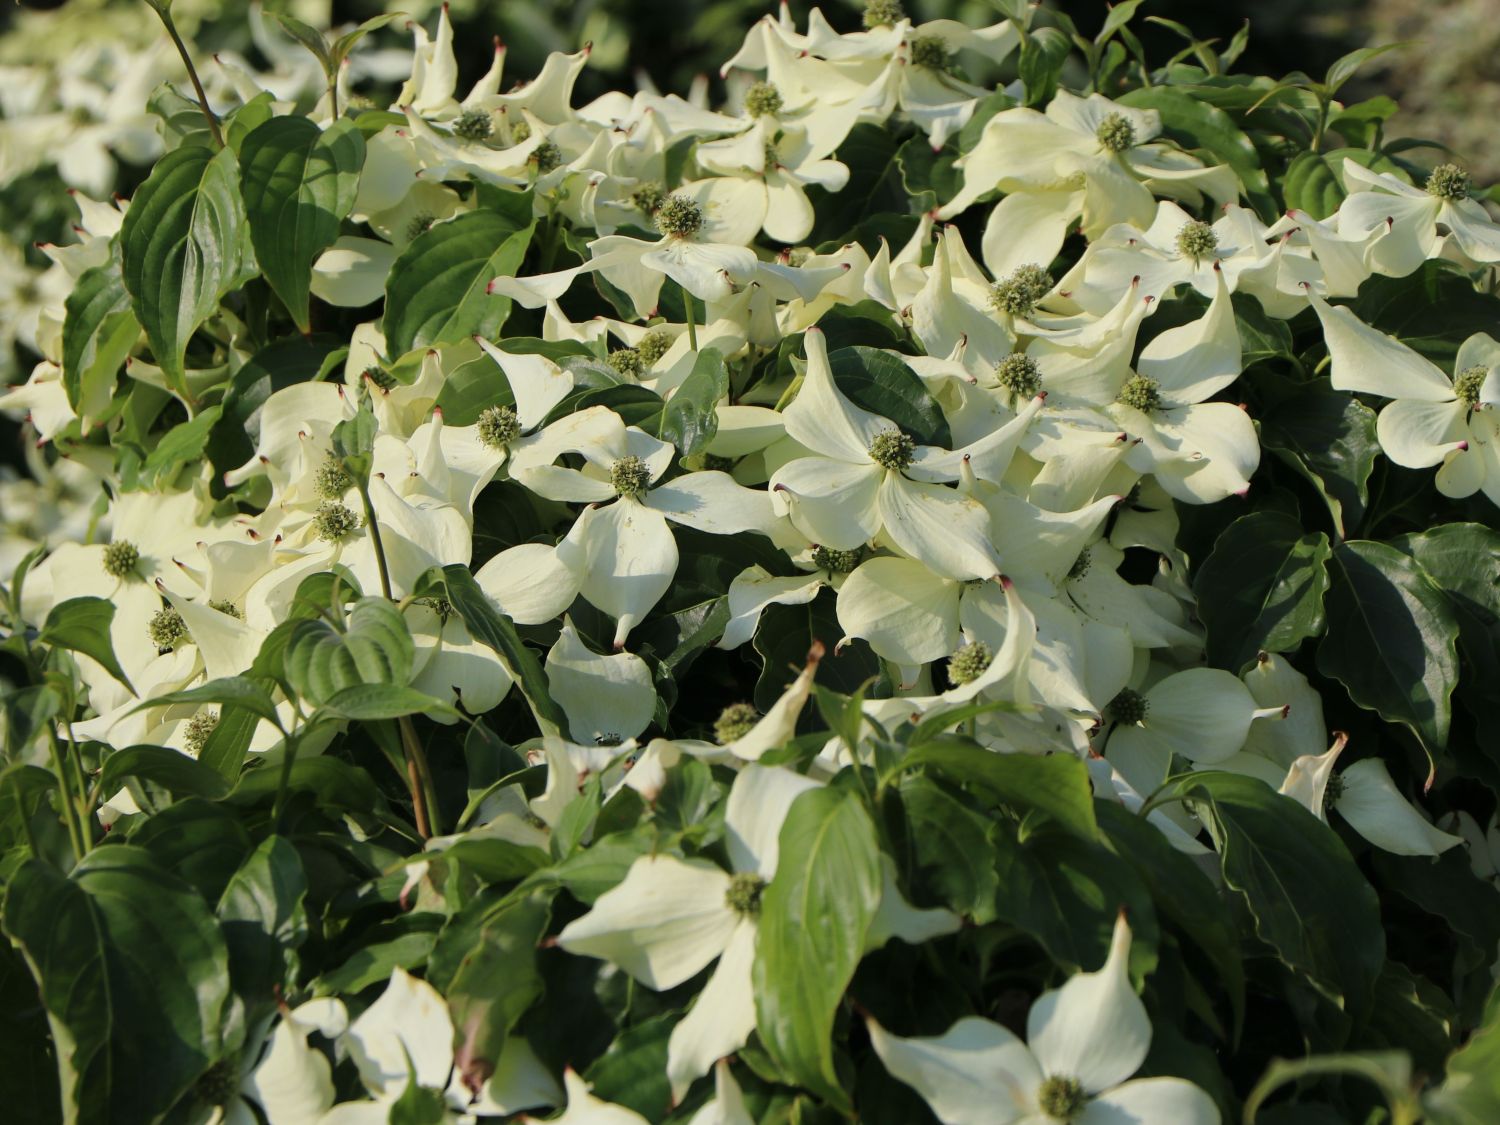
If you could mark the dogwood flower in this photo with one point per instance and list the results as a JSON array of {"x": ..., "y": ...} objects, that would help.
[{"x": 1408, "y": 217}]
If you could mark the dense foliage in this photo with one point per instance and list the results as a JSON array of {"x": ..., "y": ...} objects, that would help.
[{"x": 913, "y": 592}]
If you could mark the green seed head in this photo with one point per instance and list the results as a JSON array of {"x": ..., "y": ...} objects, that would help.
[
  {"x": 743, "y": 895},
  {"x": 679, "y": 217},
  {"x": 835, "y": 561},
  {"x": 883, "y": 13},
  {"x": 520, "y": 132},
  {"x": 498, "y": 426},
  {"x": 1468, "y": 383},
  {"x": 1019, "y": 293},
  {"x": 419, "y": 225},
  {"x": 121, "y": 558},
  {"x": 1062, "y": 1098},
  {"x": 763, "y": 100},
  {"x": 969, "y": 663},
  {"x": 1196, "y": 240},
  {"x": 1081, "y": 564},
  {"x": 892, "y": 449},
  {"x": 225, "y": 606},
  {"x": 1019, "y": 374},
  {"x": 1142, "y": 393},
  {"x": 930, "y": 53},
  {"x": 734, "y": 722},
  {"x": 628, "y": 362},
  {"x": 199, "y": 727},
  {"x": 648, "y": 197},
  {"x": 770, "y": 159},
  {"x": 1333, "y": 789},
  {"x": 474, "y": 125},
  {"x": 1115, "y": 133},
  {"x": 630, "y": 477},
  {"x": 167, "y": 629},
  {"x": 546, "y": 156},
  {"x": 331, "y": 480},
  {"x": 654, "y": 345},
  {"x": 1448, "y": 181},
  {"x": 334, "y": 521},
  {"x": 1129, "y": 707}
]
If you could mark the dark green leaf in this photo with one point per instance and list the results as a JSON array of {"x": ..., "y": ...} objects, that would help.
[
  {"x": 375, "y": 649},
  {"x": 1329, "y": 438},
  {"x": 264, "y": 921},
  {"x": 382, "y": 701},
  {"x": 241, "y": 691},
  {"x": 882, "y": 384},
  {"x": 82, "y": 625},
  {"x": 785, "y": 635},
  {"x": 163, "y": 766},
  {"x": 179, "y": 446},
  {"x": 690, "y": 418}
]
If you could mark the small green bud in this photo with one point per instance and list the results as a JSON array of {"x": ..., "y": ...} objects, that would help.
[
  {"x": 648, "y": 197},
  {"x": 734, "y": 722},
  {"x": 763, "y": 100},
  {"x": 1448, "y": 181},
  {"x": 474, "y": 125},
  {"x": 969, "y": 663},
  {"x": 546, "y": 156},
  {"x": 1019, "y": 374},
  {"x": 199, "y": 727},
  {"x": 420, "y": 224},
  {"x": 225, "y": 606},
  {"x": 121, "y": 558},
  {"x": 892, "y": 449},
  {"x": 883, "y": 13},
  {"x": 930, "y": 53},
  {"x": 743, "y": 895},
  {"x": 1115, "y": 133},
  {"x": 630, "y": 476},
  {"x": 1062, "y": 1098},
  {"x": 1468, "y": 383},
  {"x": 520, "y": 132},
  {"x": 1196, "y": 240},
  {"x": 167, "y": 629},
  {"x": 679, "y": 216},
  {"x": 1129, "y": 707},
  {"x": 627, "y": 362},
  {"x": 1142, "y": 393},
  {"x": 331, "y": 480},
  {"x": 334, "y": 521},
  {"x": 1021, "y": 291},
  {"x": 498, "y": 426},
  {"x": 835, "y": 561},
  {"x": 654, "y": 345}
]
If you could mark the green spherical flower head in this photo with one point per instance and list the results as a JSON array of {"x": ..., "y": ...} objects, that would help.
[
  {"x": 334, "y": 521},
  {"x": 498, "y": 426},
  {"x": 1129, "y": 707},
  {"x": 835, "y": 561},
  {"x": 474, "y": 125},
  {"x": 630, "y": 476},
  {"x": 1081, "y": 564},
  {"x": 1019, "y": 374},
  {"x": 1141, "y": 393},
  {"x": 1115, "y": 133},
  {"x": 121, "y": 558},
  {"x": 969, "y": 663},
  {"x": 380, "y": 377},
  {"x": 930, "y": 53},
  {"x": 546, "y": 156},
  {"x": 763, "y": 100},
  {"x": 1448, "y": 181},
  {"x": 1196, "y": 240},
  {"x": 892, "y": 449},
  {"x": 219, "y": 1084},
  {"x": 734, "y": 722},
  {"x": 331, "y": 480},
  {"x": 1021, "y": 291},
  {"x": 1333, "y": 789},
  {"x": 199, "y": 727},
  {"x": 167, "y": 629},
  {"x": 628, "y": 362},
  {"x": 648, "y": 197},
  {"x": 520, "y": 132},
  {"x": 654, "y": 345},
  {"x": 770, "y": 159},
  {"x": 743, "y": 895},
  {"x": 1468, "y": 383},
  {"x": 225, "y": 606},
  {"x": 1062, "y": 1097},
  {"x": 679, "y": 216},
  {"x": 883, "y": 13},
  {"x": 419, "y": 225}
]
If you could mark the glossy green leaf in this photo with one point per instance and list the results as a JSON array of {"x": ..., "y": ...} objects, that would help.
[
  {"x": 375, "y": 648},
  {"x": 99, "y": 329},
  {"x": 163, "y": 766},
  {"x": 690, "y": 419},
  {"x": 82, "y": 625},
  {"x": 1329, "y": 438},
  {"x": 882, "y": 384},
  {"x": 179, "y": 446},
  {"x": 241, "y": 691},
  {"x": 382, "y": 701},
  {"x": 264, "y": 919}
]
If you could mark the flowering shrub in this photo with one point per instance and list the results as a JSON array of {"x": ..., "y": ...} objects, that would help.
[{"x": 885, "y": 597}]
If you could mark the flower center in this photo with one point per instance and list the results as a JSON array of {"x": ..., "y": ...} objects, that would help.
[
  {"x": 1019, "y": 374},
  {"x": 654, "y": 345},
  {"x": 627, "y": 362},
  {"x": 334, "y": 521},
  {"x": 1333, "y": 789},
  {"x": 648, "y": 197},
  {"x": 630, "y": 476},
  {"x": 1448, "y": 181},
  {"x": 1467, "y": 384},
  {"x": 763, "y": 100},
  {"x": 498, "y": 426},
  {"x": 968, "y": 663},
  {"x": 835, "y": 561},
  {"x": 743, "y": 895},
  {"x": 199, "y": 727},
  {"x": 473, "y": 125},
  {"x": 520, "y": 132},
  {"x": 331, "y": 481},
  {"x": 892, "y": 449},
  {"x": 1061, "y": 1097},
  {"x": 1129, "y": 707},
  {"x": 1019, "y": 293},
  {"x": 166, "y": 629},
  {"x": 930, "y": 53},
  {"x": 1140, "y": 393},
  {"x": 1115, "y": 133},
  {"x": 1196, "y": 240},
  {"x": 679, "y": 217},
  {"x": 546, "y": 156},
  {"x": 883, "y": 13},
  {"x": 734, "y": 722},
  {"x": 121, "y": 558},
  {"x": 770, "y": 159}
]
